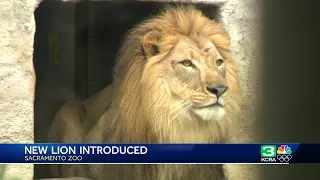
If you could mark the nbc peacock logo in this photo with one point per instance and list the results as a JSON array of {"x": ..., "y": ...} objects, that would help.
[
  {"x": 284, "y": 149},
  {"x": 284, "y": 153}
]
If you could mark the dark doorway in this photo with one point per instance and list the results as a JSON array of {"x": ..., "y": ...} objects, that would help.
[{"x": 74, "y": 51}]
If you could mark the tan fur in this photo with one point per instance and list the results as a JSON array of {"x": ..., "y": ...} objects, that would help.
[
  {"x": 67, "y": 127},
  {"x": 155, "y": 101}
]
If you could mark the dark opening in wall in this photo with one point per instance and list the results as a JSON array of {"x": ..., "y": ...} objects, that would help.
[{"x": 74, "y": 51}]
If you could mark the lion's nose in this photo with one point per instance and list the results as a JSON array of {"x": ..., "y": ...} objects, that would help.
[{"x": 218, "y": 89}]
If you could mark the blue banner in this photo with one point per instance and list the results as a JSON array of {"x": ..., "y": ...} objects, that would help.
[{"x": 159, "y": 153}]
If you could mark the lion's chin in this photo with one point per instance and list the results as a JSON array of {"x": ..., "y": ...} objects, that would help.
[{"x": 212, "y": 113}]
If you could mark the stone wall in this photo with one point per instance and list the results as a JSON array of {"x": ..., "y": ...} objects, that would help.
[
  {"x": 242, "y": 20},
  {"x": 17, "y": 77}
]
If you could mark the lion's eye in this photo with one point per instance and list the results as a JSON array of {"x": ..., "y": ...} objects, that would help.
[
  {"x": 219, "y": 62},
  {"x": 186, "y": 63}
]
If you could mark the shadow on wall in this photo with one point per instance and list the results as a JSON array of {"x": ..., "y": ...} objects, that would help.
[
  {"x": 290, "y": 103},
  {"x": 74, "y": 51}
]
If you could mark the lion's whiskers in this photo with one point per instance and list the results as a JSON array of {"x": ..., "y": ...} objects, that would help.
[
  {"x": 176, "y": 106},
  {"x": 183, "y": 110}
]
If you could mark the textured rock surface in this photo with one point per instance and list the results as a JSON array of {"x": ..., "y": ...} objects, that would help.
[
  {"x": 74, "y": 178},
  {"x": 242, "y": 21},
  {"x": 17, "y": 75}
]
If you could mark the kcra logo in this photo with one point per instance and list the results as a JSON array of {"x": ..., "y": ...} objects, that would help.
[{"x": 272, "y": 154}]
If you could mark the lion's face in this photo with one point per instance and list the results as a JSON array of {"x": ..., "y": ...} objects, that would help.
[
  {"x": 197, "y": 76},
  {"x": 194, "y": 75}
]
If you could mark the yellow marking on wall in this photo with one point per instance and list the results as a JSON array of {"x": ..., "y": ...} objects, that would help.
[{"x": 54, "y": 42}]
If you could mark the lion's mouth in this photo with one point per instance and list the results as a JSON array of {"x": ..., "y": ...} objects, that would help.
[
  {"x": 209, "y": 103},
  {"x": 216, "y": 104}
]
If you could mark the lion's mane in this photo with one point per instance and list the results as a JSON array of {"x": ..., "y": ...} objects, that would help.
[
  {"x": 133, "y": 105},
  {"x": 137, "y": 113}
]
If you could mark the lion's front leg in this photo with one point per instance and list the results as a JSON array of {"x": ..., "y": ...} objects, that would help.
[{"x": 68, "y": 127}]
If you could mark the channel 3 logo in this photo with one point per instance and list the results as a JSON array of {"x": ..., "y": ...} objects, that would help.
[{"x": 270, "y": 153}]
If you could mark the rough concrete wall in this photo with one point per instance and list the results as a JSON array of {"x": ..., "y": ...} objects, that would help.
[
  {"x": 16, "y": 77},
  {"x": 242, "y": 21}
]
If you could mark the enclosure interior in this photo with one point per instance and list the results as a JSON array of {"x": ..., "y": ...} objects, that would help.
[{"x": 75, "y": 47}]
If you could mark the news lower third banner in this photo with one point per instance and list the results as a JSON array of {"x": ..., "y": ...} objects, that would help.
[{"x": 159, "y": 153}]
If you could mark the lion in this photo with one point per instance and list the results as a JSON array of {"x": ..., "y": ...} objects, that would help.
[{"x": 175, "y": 81}]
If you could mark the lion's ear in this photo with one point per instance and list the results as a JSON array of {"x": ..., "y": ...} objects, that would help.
[{"x": 150, "y": 43}]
